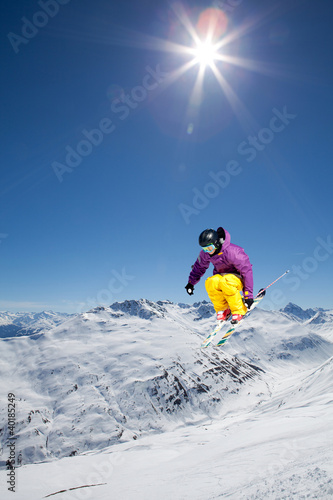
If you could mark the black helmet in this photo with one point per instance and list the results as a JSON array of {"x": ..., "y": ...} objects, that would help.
[{"x": 209, "y": 237}]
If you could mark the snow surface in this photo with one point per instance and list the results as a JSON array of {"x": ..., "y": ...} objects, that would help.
[{"x": 121, "y": 402}]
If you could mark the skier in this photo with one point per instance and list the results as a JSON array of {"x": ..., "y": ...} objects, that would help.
[{"x": 232, "y": 274}]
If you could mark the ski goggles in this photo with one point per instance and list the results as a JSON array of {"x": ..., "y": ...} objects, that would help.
[{"x": 209, "y": 248}]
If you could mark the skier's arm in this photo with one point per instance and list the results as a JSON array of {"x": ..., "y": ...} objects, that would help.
[
  {"x": 200, "y": 267},
  {"x": 244, "y": 267}
]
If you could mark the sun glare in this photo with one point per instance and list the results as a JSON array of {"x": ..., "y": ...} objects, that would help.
[
  {"x": 206, "y": 46},
  {"x": 205, "y": 53}
]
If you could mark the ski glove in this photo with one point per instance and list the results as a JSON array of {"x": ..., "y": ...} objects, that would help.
[
  {"x": 248, "y": 303},
  {"x": 190, "y": 288}
]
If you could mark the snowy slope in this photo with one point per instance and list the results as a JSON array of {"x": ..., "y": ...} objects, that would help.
[
  {"x": 119, "y": 373},
  {"x": 153, "y": 416}
]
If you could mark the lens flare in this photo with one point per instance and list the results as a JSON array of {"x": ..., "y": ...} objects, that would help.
[{"x": 212, "y": 24}]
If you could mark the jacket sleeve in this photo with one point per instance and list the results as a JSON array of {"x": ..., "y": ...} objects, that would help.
[
  {"x": 244, "y": 267},
  {"x": 200, "y": 267}
]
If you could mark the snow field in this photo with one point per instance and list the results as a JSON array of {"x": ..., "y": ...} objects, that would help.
[{"x": 150, "y": 415}]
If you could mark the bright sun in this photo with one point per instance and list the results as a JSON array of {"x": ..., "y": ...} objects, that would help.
[{"x": 205, "y": 53}]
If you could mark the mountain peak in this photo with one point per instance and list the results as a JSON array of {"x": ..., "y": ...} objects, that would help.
[
  {"x": 298, "y": 312},
  {"x": 143, "y": 308}
]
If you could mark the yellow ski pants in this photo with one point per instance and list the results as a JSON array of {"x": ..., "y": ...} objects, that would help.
[{"x": 223, "y": 291}]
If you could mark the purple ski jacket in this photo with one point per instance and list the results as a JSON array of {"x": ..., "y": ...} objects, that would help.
[{"x": 231, "y": 259}]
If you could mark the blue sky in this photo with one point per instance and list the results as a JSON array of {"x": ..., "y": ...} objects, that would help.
[{"x": 112, "y": 165}]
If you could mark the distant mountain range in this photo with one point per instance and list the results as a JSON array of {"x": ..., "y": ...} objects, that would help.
[
  {"x": 22, "y": 323},
  {"x": 307, "y": 314}
]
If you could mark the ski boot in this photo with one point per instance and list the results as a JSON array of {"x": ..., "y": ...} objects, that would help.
[
  {"x": 223, "y": 315},
  {"x": 236, "y": 318}
]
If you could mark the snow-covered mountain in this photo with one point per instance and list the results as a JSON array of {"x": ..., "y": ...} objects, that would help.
[
  {"x": 107, "y": 380},
  {"x": 298, "y": 313},
  {"x": 308, "y": 314},
  {"x": 120, "y": 372},
  {"x": 18, "y": 324}
]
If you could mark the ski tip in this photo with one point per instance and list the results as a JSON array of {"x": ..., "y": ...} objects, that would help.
[{"x": 205, "y": 344}]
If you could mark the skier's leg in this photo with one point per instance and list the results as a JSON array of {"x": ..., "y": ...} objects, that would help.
[
  {"x": 230, "y": 286},
  {"x": 215, "y": 294}
]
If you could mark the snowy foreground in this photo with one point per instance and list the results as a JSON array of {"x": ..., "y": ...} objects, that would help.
[{"x": 121, "y": 403}]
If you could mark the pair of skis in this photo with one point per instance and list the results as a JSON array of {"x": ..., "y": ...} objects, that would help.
[{"x": 233, "y": 327}]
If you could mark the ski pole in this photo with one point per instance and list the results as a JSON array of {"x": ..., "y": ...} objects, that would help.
[{"x": 264, "y": 289}]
